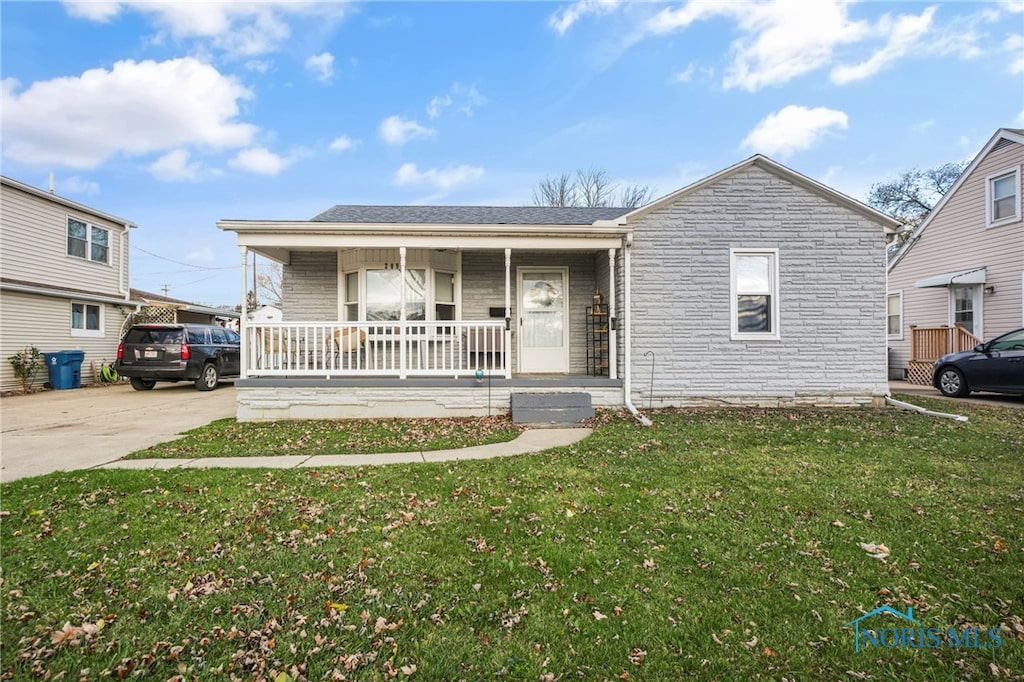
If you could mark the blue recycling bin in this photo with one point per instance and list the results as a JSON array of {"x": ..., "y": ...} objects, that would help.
[{"x": 65, "y": 368}]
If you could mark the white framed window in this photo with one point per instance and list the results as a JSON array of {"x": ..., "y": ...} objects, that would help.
[
  {"x": 374, "y": 294},
  {"x": 754, "y": 294},
  {"x": 965, "y": 307},
  {"x": 86, "y": 319},
  {"x": 1002, "y": 198},
  {"x": 88, "y": 241},
  {"x": 894, "y": 315}
]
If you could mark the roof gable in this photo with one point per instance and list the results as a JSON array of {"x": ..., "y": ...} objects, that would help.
[
  {"x": 67, "y": 203},
  {"x": 764, "y": 163},
  {"x": 1002, "y": 135}
]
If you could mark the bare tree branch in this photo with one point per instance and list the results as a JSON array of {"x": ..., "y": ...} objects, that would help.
[
  {"x": 634, "y": 196},
  {"x": 591, "y": 188},
  {"x": 912, "y": 195},
  {"x": 559, "y": 190},
  {"x": 268, "y": 283},
  {"x": 594, "y": 187}
]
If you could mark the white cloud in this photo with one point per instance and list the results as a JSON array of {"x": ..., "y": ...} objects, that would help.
[
  {"x": 443, "y": 180},
  {"x": 792, "y": 129},
  {"x": 174, "y": 166},
  {"x": 563, "y": 20},
  {"x": 1014, "y": 46},
  {"x": 341, "y": 143},
  {"x": 904, "y": 33},
  {"x": 134, "y": 108},
  {"x": 259, "y": 160},
  {"x": 240, "y": 28},
  {"x": 922, "y": 127},
  {"x": 259, "y": 65},
  {"x": 437, "y": 105},
  {"x": 322, "y": 66},
  {"x": 464, "y": 98},
  {"x": 76, "y": 185},
  {"x": 686, "y": 75},
  {"x": 396, "y": 130}
]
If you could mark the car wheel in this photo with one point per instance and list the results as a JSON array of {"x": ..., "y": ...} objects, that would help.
[
  {"x": 142, "y": 384},
  {"x": 207, "y": 381},
  {"x": 952, "y": 383}
]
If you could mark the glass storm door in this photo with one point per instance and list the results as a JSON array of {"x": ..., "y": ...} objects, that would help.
[
  {"x": 544, "y": 320},
  {"x": 965, "y": 308}
]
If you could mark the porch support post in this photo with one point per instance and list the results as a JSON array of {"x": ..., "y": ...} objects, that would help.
[
  {"x": 508, "y": 313},
  {"x": 403, "y": 336},
  {"x": 612, "y": 322},
  {"x": 243, "y": 319}
]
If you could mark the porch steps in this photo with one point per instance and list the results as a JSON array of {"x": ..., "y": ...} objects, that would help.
[{"x": 551, "y": 409}]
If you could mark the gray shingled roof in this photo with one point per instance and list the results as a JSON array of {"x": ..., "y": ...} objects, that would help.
[{"x": 468, "y": 215}]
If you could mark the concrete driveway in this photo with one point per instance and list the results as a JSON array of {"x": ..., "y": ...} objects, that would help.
[{"x": 87, "y": 427}]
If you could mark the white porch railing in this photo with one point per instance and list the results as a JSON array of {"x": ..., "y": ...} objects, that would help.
[{"x": 352, "y": 349}]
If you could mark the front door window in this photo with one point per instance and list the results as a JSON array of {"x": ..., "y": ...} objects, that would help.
[
  {"x": 964, "y": 307},
  {"x": 543, "y": 344}
]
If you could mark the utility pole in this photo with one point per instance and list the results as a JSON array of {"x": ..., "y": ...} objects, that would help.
[{"x": 165, "y": 288}]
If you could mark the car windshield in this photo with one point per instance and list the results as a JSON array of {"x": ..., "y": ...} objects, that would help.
[{"x": 143, "y": 335}]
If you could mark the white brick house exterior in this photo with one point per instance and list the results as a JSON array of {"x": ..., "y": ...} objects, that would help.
[{"x": 756, "y": 285}]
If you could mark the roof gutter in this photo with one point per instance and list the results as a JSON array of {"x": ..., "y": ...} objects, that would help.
[{"x": 627, "y": 385}]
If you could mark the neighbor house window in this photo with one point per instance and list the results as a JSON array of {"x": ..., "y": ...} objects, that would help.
[
  {"x": 894, "y": 315},
  {"x": 755, "y": 294},
  {"x": 1002, "y": 194},
  {"x": 86, "y": 319},
  {"x": 88, "y": 241}
]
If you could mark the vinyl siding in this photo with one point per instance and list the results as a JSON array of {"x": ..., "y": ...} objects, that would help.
[
  {"x": 34, "y": 237},
  {"x": 831, "y": 289},
  {"x": 45, "y": 322},
  {"x": 957, "y": 239}
]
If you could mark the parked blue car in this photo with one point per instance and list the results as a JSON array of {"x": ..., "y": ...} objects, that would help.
[{"x": 996, "y": 366}]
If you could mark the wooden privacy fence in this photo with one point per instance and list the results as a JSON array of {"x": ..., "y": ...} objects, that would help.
[{"x": 928, "y": 344}]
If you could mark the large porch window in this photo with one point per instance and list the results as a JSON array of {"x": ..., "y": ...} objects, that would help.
[{"x": 375, "y": 294}]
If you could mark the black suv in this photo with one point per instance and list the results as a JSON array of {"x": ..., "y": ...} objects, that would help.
[{"x": 174, "y": 352}]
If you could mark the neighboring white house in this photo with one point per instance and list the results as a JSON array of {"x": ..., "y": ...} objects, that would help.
[
  {"x": 959, "y": 278},
  {"x": 265, "y": 313},
  {"x": 755, "y": 286},
  {"x": 63, "y": 277}
]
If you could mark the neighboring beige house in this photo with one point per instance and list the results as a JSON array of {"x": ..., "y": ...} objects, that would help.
[
  {"x": 63, "y": 277},
  {"x": 755, "y": 286},
  {"x": 959, "y": 278}
]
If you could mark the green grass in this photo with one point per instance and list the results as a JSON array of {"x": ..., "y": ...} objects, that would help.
[
  {"x": 229, "y": 438},
  {"x": 719, "y": 545}
]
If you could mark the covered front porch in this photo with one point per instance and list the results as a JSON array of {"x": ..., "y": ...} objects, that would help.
[{"x": 423, "y": 319}]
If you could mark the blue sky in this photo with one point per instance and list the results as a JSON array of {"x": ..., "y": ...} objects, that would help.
[{"x": 177, "y": 114}]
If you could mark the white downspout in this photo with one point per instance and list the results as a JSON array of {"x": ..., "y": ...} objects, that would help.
[
  {"x": 627, "y": 398},
  {"x": 123, "y": 283}
]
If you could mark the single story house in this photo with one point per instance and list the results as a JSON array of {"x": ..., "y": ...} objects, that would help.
[
  {"x": 754, "y": 286},
  {"x": 958, "y": 280}
]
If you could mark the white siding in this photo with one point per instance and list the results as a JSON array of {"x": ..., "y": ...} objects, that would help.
[
  {"x": 955, "y": 239},
  {"x": 831, "y": 288},
  {"x": 34, "y": 237},
  {"x": 45, "y": 322}
]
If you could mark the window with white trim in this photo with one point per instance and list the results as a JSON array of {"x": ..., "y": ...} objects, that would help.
[
  {"x": 1002, "y": 198},
  {"x": 894, "y": 315},
  {"x": 375, "y": 294},
  {"x": 86, "y": 319},
  {"x": 88, "y": 241},
  {"x": 754, "y": 293}
]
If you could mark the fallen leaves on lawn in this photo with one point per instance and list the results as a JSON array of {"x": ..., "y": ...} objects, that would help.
[{"x": 875, "y": 550}]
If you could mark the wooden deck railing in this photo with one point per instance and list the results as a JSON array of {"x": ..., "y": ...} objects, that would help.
[
  {"x": 352, "y": 349},
  {"x": 928, "y": 344}
]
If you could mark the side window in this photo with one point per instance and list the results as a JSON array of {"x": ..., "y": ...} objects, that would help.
[
  {"x": 197, "y": 337},
  {"x": 754, "y": 285},
  {"x": 233, "y": 336},
  {"x": 894, "y": 315},
  {"x": 218, "y": 335},
  {"x": 1009, "y": 342},
  {"x": 88, "y": 241},
  {"x": 86, "y": 319}
]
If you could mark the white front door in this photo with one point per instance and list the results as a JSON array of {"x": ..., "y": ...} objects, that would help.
[
  {"x": 965, "y": 307},
  {"x": 543, "y": 320}
]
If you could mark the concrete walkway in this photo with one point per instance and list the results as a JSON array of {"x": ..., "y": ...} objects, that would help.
[{"x": 531, "y": 440}]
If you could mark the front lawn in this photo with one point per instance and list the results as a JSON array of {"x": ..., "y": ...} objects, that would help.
[
  {"x": 230, "y": 438},
  {"x": 719, "y": 545}
]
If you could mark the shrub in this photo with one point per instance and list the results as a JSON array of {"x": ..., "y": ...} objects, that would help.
[{"x": 27, "y": 363}]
